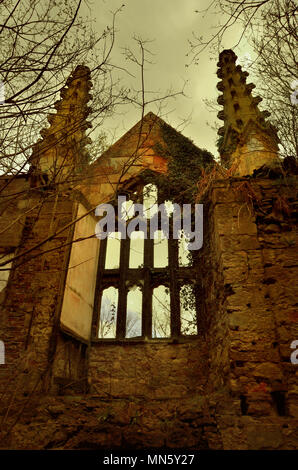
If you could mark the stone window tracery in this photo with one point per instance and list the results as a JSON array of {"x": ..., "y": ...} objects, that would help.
[{"x": 145, "y": 285}]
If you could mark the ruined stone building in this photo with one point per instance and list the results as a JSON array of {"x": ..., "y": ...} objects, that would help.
[{"x": 136, "y": 343}]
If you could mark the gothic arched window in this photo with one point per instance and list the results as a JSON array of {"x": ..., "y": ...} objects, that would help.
[{"x": 145, "y": 284}]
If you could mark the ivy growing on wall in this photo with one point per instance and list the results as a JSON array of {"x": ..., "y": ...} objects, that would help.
[{"x": 185, "y": 163}]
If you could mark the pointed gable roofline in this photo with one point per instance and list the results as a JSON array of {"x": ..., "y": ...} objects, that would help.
[
  {"x": 149, "y": 144},
  {"x": 144, "y": 139}
]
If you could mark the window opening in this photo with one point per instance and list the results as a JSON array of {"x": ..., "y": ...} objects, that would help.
[
  {"x": 184, "y": 255},
  {"x": 188, "y": 311},
  {"x": 161, "y": 313},
  {"x": 108, "y": 313},
  {"x": 136, "y": 251},
  {"x": 134, "y": 313},
  {"x": 150, "y": 200},
  {"x": 161, "y": 255},
  {"x": 112, "y": 260},
  {"x": 144, "y": 283}
]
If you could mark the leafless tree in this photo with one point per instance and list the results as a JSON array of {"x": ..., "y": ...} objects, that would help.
[
  {"x": 41, "y": 48},
  {"x": 270, "y": 28},
  {"x": 276, "y": 65},
  {"x": 42, "y": 41}
]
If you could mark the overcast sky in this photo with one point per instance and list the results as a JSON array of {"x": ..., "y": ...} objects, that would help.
[{"x": 169, "y": 24}]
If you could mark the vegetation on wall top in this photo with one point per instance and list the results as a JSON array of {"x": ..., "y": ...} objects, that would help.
[{"x": 185, "y": 164}]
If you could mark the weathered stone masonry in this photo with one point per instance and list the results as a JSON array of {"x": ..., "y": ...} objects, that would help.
[
  {"x": 251, "y": 309},
  {"x": 232, "y": 387}
]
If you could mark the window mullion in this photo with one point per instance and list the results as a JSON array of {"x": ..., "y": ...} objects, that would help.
[
  {"x": 99, "y": 277},
  {"x": 175, "y": 308},
  {"x": 122, "y": 307},
  {"x": 147, "y": 290}
]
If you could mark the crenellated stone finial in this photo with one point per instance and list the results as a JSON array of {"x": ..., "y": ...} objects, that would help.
[
  {"x": 62, "y": 147},
  {"x": 246, "y": 139}
]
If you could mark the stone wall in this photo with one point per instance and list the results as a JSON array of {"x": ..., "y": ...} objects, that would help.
[
  {"x": 233, "y": 388},
  {"x": 32, "y": 298},
  {"x": 151, "y": 370},
  {"x": 88, "y": 422},
  {"x": 250, "y": 287}
]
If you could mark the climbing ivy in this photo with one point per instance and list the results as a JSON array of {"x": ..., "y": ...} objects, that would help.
[{"x": 185, "y": 164}]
